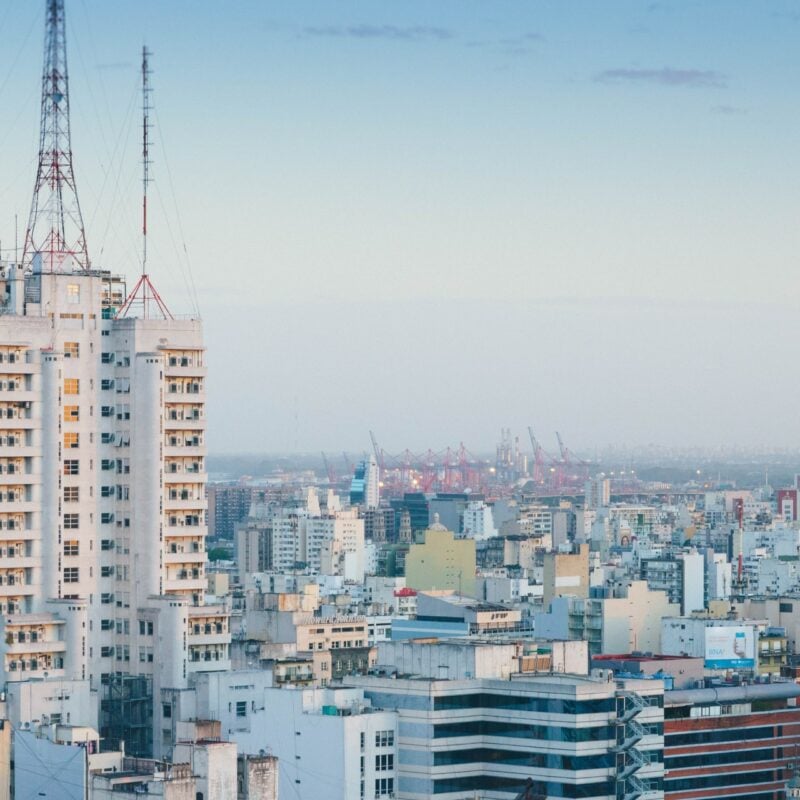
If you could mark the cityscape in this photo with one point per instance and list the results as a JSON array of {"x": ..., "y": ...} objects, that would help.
[{"x": 211, "y": 593}]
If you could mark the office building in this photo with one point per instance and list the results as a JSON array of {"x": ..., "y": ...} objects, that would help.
[{"x": 571, "y": 736}]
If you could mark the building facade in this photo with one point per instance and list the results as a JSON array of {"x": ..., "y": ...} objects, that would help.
[{"x": 102, "y": 473}]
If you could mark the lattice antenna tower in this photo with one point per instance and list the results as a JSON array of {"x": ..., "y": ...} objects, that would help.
[
  {"x": 144, "y": 294},
  {"x": 55, "y": 227}
]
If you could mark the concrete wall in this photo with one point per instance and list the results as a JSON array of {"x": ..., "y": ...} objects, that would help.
[
  {"x": 43, "y": 769},
  {"x": 258, "y": 777},
  {"x": 566, "y": 574},
  {"x": 5, "y": 758},
  {"x": 442, "y": 562}
]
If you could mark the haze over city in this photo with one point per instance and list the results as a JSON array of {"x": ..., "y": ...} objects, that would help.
[
  {"x": 437, "y": 219},
  {"x": 397, "y": 401}
]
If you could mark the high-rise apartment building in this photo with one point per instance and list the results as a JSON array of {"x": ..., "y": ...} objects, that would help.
[
  {"x": 228, "y": 505},
  {"x": 102, "y": 469}
]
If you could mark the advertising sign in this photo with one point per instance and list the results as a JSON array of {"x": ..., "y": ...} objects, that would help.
[{"x": 730, "y": 647}]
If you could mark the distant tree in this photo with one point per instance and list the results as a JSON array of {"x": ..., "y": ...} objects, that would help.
[{"x": 218, "y": 554}]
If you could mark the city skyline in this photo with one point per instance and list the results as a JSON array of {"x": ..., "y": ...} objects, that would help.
[{"x": 442, "y": 211}]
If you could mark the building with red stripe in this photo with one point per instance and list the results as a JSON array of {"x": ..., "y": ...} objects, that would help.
[{"x": 731, "y": 741}]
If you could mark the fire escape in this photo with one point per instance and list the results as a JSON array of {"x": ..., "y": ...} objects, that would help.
[{"x": 630, "y": 759}]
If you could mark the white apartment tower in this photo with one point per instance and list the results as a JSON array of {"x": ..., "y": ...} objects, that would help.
[
  {"x": 102, "y": 482},
  {"x": 102, "y": 458}
]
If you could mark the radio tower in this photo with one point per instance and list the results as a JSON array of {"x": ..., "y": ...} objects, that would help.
[
  {"x": 144, "y": 293},
  {"x": 55, "y": 226}
]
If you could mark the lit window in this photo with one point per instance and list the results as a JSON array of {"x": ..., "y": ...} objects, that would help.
[
  {"x": 71, "y": 467},
  {"x": 72, "y": 386},
  {"x": 71, "y": 413},
  {"x": 71, "y": 547},
  {"x": 71, "y": 440},
  {"x": 71, "y": 349},
  {"x": 73, "y": 293}
]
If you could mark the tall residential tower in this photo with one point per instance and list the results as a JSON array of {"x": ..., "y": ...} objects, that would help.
[{"x": 102, "y": 474}]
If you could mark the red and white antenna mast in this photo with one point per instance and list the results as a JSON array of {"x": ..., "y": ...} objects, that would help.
[
  {"x": 144, "y": 293},
  {"x": 55, "y": 227}
]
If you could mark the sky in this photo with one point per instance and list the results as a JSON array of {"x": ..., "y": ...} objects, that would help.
[{"x": 434, "y": 219}]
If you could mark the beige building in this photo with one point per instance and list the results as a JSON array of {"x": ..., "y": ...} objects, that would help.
[
  {"x": 441, "y": 562},
  {"x": 627, "y": 620},
  {"x": 566, "y": 574}
]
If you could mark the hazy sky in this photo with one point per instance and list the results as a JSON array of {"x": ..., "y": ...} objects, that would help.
[{"x": 436, "y": 218}]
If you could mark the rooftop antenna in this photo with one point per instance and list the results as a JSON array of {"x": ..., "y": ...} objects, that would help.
[
  {"x": 55, "y": 226},
  {"x": 144, "y": 293}
]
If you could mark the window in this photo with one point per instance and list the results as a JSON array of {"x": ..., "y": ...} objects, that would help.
[
  {"x": 71, "y": 575},
  {"x": 241, "y": 708},
  {"x": 72, "y": 386},
  {"x": 71, "y": 521},
  {"x": 384, "y": 786},
  {"x": 71, "y": 494},
  {"x": 71, "y": 467},
  {"x": 71, "y": 440},
  {"x": 71, "y": 349},
  {"x": 384, "y": 738},
  {"x": 384, "y": 762},
  {"x": 73, "y": 293},
  {"x": 71, "y": 413},
  {"x": 166, "y": 710},
  {"x": 71, "y": 547}
]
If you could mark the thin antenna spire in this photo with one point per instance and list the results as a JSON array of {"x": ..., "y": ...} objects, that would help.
[
  {"x": 144, "y": 294},
  {"x": 146, "y": 106},
  {"x": 55, "y": 226}
]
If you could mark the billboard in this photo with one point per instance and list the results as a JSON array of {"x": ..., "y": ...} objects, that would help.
[{"x": 730, "y": 647}]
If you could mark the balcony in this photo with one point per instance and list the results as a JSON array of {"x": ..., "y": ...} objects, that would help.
[
  {"x": 203, "y": 639},
  {"x": 185, "y": 585},
  {"x": 184, "y": 424},
  {"x": 35, "y": 648},
  {"x": 190, "y": 504},
  {"x": 223, "y": 665},
  {"x": 19, "y": 423},
  {"x": 185, "y": 450},
  {"x": 20, "y": 478},
  {"x": 19, "y": 562},
  {"x": 20, "y": 396},
  {"x": 180, "y": 558},
  {"x": 185, "y": 477},
  {"x": 27, "y": 674},
  {"x": 184, "y": 371},
  {"x": 18, "y": 590},
  {"x": 18, "y": 451},
  {"x": 19, "y": 366}
]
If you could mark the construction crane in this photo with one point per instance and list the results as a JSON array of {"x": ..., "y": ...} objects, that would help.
[
  {"x": 562, "y": 448},
  {"x": 347, "y": 464},
  {"x": 378, "y": 451},
  {"x": 539, "y": 458},
  {"x": 329, "y": 470}
]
